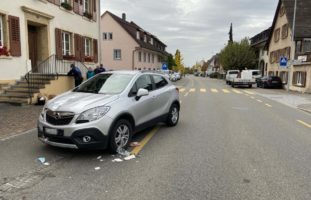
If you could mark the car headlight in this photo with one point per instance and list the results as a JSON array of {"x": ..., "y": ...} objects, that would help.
[
  {"x": 92, "y": 114},
  {"x": 42, "y": 114}
]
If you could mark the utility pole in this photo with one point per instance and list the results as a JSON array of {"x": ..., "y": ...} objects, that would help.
[{"x": 293, "y": 42}]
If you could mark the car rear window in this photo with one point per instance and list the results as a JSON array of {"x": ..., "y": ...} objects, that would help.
[
  {"x": 275, "y": 78},
  {"x": 234, "y": 72},
  {"x": 255, "y": 73}
]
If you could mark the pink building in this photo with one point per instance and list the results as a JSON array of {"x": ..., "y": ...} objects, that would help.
[{"x": 126, "y": 46}]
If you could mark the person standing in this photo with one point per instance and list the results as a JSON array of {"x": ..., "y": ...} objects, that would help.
[
  {"x": 96, "y": 70},
  {"x": 90, "y": 73},
  {"x": 76, "y": 73},
  {"x": 101, "y": 68}
]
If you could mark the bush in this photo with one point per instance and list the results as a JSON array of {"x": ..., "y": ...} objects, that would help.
[{"x": 67, "y": 6}]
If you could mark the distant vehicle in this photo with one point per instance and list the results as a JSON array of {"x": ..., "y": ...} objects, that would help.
[
  {"x": 270, "y": 82},
  {"x": 106, "y": 110},
  {"x": 231, "y": 74},
  {"x": 177, "y": 75},
  {"x": 244, "y": 78},
  {"x": 256, "y": 73},
  {"x": 196, "y": 73}
]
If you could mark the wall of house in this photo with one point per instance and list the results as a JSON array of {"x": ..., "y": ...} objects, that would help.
[
  {"x": 121, "y": 40},
  {"x": 281, "y": 44},
  {"x": 157, "y": 64},
  {"x": 12, "y": 68}
]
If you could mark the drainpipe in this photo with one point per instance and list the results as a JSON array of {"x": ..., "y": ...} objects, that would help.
[
  {"x": 133, "y": 57},
  {"x": 293, "y": 49}
]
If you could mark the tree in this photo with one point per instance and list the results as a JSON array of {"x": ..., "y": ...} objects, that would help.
[
  {"x": 171, "y": 62},
  {"x": 179, "y": 62},
  {"x": 204, "y": 67},
  {"x": 238, "y": 55}
]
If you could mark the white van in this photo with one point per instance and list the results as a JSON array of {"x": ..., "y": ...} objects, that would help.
[{"x": 231, "y": 74}]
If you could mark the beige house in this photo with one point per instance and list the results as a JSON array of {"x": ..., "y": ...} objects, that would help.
[
  {"x": 280, "y": 45},
  {"x": 126, "y": 46},
  {"x": 45, "y": 37}
]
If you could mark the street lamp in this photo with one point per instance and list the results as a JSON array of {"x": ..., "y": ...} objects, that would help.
[{"x": 293, "y": 42}]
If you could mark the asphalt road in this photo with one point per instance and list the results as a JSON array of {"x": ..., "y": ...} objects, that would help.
[{"x": 229, "y": 144}]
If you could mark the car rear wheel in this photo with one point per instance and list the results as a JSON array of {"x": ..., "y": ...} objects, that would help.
[
  {"x": 173, "y": 116},
  {"x": 120, "y": 135}
]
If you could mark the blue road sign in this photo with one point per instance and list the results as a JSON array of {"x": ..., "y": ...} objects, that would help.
[
  {"x": 283, "y": 61},
  {"x": 164, "y": 66}
]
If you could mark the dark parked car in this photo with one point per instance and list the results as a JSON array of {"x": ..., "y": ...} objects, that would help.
[{"x": 270, "y": 82}]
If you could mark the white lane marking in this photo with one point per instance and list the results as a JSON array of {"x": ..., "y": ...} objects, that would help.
[
  {"x": 214, "y": 90},
  {"x": 248, "y": 92},
  {"x": 203, "y": 90},
  {"x": 192, "y": 90},
  {"x": 304, "y": 123},
  {"x": 268, "y": 105},
  {"x": 14, "y": 136},
  {"x": 252, "y": 97},
  {"x": 236, "y": 91},
  {"x": 225, "y": 91},
  {"x": 259, "y": 101},
  {"x": 182, "y": 90},
  {"x": 186, "y": 94}
]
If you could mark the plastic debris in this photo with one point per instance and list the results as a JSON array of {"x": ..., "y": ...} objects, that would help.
[
  {"x": 99, "y": 157},
  {"x": 97, "y": 168},
  {"x": 117, "y": 160},
  {"x": 130, "y": 157},
  {"x": 46, "y": 163},
  {"x": 135, "y": 144},
  {"x": 123, "y": 152},
  {"x": 41, "y": 159},
  {"x": 101, "y": 160}
]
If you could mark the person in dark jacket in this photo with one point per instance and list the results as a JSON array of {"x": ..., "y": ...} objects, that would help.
[
  {"x": 101, "y": 68},
  {"x": 90, "y": 73},
  {"x": 76, "y": 73},
  {"x": 96, "y": 70}
]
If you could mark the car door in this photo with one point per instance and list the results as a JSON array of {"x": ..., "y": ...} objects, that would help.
[
  {"x": 142, "y": 109},
  {"x": 161, "y": 95}
]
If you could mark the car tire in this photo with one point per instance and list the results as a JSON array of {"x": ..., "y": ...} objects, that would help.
[
  {"x": 250, "y": 86},
  {"x": 173, "y": 116},
  {"x": 120, "y": 135}
]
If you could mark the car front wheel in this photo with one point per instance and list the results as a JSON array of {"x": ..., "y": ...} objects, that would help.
[
  {"x": 173, "y": 116},
  {"x": 120, "y": 135}
]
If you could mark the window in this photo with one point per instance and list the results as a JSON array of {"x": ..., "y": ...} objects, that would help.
[
  {"x": 151, "y": 41},
  {"x": 105, "y": 36},
  {"x": 144, "y": 82},
  {"x": 152, "y": 58},
  {"x": 87, "y": 47},
  {"x": 284, "y": 31},
  {"x": 145, "y": 38},
  {"x": 139, "y": 56},
  {"x": 277, "y": 35},
  {"x": 298, "y": 46},
  {"x": 145, "y": 57},
  {"x": 110, "y": 36},
  {"x": 86, "y": 6},
  {"x": 137, "y": 35},
  {"x": 66, "y": 40},
  {"x": 307, "y": 45},
  {"x": 299, "y": 78},
  {"x": 1, "y": 31},
  {"x": 66, "y": 1},
  {"x": 148, "y": 57},
  {"x": 159, "y": 81},
  {"x": 117, "y": 54},
  {"x": 283, "y": 76},
  {"x": 282, "y": 11}
]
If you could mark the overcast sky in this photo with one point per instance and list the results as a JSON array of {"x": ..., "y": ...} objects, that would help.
[{"x": 199, "y": 28}]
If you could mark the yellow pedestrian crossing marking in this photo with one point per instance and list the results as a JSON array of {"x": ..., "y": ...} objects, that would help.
[
  {"x": 214, "y": 90},
  {"x": 203, "y": 90},
  {"x": 248, "y": 92},
  {"x": 192, "y": 90},
  {"x": 236, "y": 91},
  {"x": 259, "y": 101},
  {"x": 252, "y": 97},
  {"x": 186, "y": 94},
  {"x": 225, "y": 91},
  {"x": 182, "y": 90},
  {"x": 304, "y": 123},
  {"x": 268, "y": 105}
]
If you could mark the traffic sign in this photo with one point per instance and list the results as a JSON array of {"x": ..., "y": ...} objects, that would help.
[
  {"x": 164, "y": 66},
  {"x": 283, "y": 61}
]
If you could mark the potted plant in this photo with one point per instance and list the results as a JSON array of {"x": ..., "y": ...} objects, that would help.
[
  {"x": 4, "y": 51},
  {"x": 68, "y": 57},
  {"x": 88, "y": 59},
  {"x": 88, "y": 15},
  {"x": 66, "y": 5}
]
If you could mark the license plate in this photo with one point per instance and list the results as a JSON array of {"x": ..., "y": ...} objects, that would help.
[{"x": 51, "y": 131}]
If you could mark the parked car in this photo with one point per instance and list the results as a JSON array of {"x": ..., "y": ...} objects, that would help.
[
  {"x": 244, "y": 78},
  {"x": 231, "y": 74},
  {"x": 177, "y": 75},
  {"x": 270, "y": 82},
  {"x": 105, "y": 111},
  {"x": 196, "y": 73}
]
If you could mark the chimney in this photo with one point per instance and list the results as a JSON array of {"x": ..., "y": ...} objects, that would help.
[{"x": 124, "y": 16}]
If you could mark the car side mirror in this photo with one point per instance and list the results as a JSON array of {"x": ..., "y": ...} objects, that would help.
[{"x": 141, "y": 92}]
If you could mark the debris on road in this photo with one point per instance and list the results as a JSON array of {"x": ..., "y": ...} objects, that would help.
[
  {"x": 97, "y": 168},
  {"x": 101, "y": 160},
  {"x": 99, "y": 157},
  {"x": 42, "y": 160},
  {"x": 46, "y": 163},
  {"x": 130, "y": 157},
  {"x": 123, "y": 152},
  {"x": 117, "y": 160},
  {"x": 135, "y": 144}
]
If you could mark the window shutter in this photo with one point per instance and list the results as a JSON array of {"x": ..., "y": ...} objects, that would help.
[
  {"x": 77, "y": 47},
  {"x": 94, "y": 10},
  {"x": 57, "y": 2},
  {"x": 304, "y": 78},
  {"x": 76, "y": 6},
  {"x": 81, "y": 7},
  {"x": 82, "y": 49},
  {"x": 59, "y": 44},
  {"x": 95, "y": 50},
  {"x": 15, "y": 41}
]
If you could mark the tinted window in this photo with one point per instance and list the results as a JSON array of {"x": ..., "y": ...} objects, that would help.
[
  {"x": 275, "y": 78},
  {"x": 144, "y": 82},
  {"x": 159, "y": 81},
  {"x": 255, "y": 73},
  {"x": 105, "y": 84},
  {"x": 233, "y": 72}
]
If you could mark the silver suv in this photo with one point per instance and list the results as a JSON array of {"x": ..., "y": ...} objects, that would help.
[{"x": 105, "y": 111}]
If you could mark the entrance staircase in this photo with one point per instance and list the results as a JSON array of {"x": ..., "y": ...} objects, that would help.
[{"x": 23, "y": 91}]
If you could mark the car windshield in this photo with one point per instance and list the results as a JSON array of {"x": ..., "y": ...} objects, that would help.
[
  {"x": 234, "y": 72},
  {"x": 255, "y": 73},
  {"x": 105, "y": 84}
]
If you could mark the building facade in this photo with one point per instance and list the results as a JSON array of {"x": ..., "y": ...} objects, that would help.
[
  {"x": 32, "y": 31},
  {"x": 126, "y": 46},
  {"x": 297, "y": 51},
  {"x": 259, "y": 43}
]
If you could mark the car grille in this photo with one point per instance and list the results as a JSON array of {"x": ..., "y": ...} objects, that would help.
[{"x": 59, "y": 118}]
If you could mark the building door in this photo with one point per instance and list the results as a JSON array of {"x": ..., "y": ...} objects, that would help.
[{"x": 33, "y": 46}]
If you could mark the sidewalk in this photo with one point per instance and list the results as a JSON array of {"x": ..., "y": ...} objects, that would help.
[
  {"x": 17, "y": 119},
  {"x": 292, "y": 99}
]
